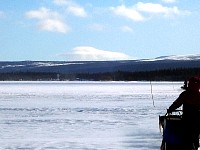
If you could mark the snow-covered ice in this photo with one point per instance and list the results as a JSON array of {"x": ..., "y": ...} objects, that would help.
[{"x": 83, "y": 115}]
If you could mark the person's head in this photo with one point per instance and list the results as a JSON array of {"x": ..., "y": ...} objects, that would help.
[{"x": 194, "y": 84}]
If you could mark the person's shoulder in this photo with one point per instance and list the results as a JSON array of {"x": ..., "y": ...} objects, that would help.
[
  {"x": 184, "y": 93},
  {"x": 189, "y": 93}
]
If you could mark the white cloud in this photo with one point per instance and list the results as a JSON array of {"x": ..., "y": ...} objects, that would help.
[
  {"x": 71, "y": 7},
  {"x": 87, "y": 53},
  {"x": 157, "y": 9},
  {"x": 42, "y": 13},
  {"x": 53, "y": 25},
  {"x": 77, "y": 11},
  {"x": 142, "y": 11},
  {"x": 169, "y": 1},
  {"x": 130, "y": 13},
  {"x": 126, "y": 29},
  {"x": 48, "y": 20}
]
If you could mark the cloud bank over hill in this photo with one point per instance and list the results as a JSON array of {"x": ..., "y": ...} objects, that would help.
[{"x": 87, "y": 53}]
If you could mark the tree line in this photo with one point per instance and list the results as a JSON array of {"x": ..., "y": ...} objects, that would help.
[{"x": 179, "y": 74}]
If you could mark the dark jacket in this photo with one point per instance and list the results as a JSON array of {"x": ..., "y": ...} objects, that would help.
[{"x": 190, "y": 101}]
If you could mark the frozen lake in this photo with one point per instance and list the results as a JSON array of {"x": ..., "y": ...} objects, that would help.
[{"x": 83, "y": 115}]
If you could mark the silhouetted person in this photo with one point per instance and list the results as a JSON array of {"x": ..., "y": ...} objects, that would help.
[{"x": 190, "y": 99}]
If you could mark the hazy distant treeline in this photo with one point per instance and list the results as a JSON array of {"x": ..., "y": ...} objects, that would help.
[{"x": 158, "y": 75}]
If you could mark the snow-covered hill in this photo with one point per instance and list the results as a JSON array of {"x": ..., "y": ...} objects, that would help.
[
  {"x": 179, "y": 57},
  {"x": 164, "y": 62}
]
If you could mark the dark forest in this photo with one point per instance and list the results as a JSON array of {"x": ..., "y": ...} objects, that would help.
[{"x": 157, "y": 75}]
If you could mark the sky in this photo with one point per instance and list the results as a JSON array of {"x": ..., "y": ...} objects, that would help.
[{"x": 98, "y": 30}]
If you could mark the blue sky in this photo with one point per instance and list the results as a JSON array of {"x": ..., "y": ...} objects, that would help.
[{"x": 74, "y": 30}]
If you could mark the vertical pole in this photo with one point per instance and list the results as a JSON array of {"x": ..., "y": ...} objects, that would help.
[{"x": 152, "y": 94}]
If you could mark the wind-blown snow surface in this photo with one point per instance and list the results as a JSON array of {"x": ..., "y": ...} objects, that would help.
[{"x": 83, "y": 115}]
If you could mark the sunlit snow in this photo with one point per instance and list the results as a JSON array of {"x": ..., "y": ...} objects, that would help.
[{"x": 83, "y": 115}]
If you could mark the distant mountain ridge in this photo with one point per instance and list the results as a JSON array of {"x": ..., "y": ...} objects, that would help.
[
  {"x": 159, "y": 63},
  {"x": 180, "y": 57}
]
